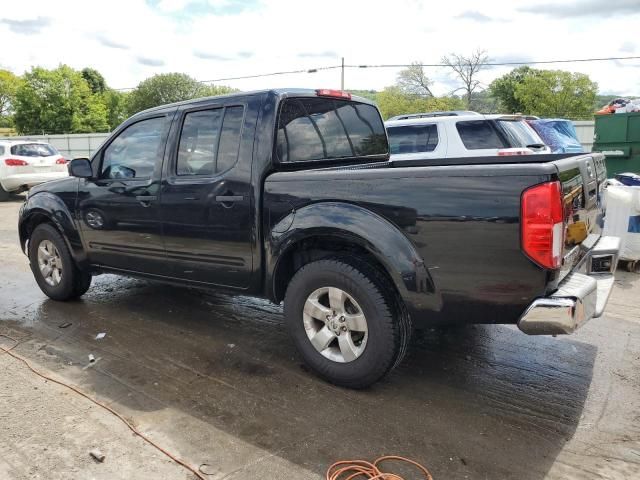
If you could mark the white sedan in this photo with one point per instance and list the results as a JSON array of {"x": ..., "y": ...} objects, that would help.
[{"x": 24, "y": 164}]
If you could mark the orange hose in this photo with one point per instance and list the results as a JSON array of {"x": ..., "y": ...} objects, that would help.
[
  {"x": 352, "y": 469},
  {"x": 100, "y": 404}
]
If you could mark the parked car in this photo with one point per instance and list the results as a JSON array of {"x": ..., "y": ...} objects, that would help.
[
  {"x": 558, "y": 133},
  {"x": 24, "y": 164},
  {"x": 473, "y": 135},
  {"x": 289, "y": 195}
]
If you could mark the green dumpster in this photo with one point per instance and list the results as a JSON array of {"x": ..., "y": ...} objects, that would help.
[{"x": 618, "y": 137}]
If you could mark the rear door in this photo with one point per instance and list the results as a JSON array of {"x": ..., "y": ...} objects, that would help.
[
  {"x": 119, "y": 209},
  {"x": 207, "y": 211}
]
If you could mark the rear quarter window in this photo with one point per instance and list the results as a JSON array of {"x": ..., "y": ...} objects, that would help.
[
  {"x": 413, "y": 138},
  {"x": 479, "y": 135},
  {"x": 319, "y": 128}
]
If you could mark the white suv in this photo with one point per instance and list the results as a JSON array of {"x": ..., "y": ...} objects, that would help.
[
  {"x": 24, "y": 164},
  {"x": 468, "y": 135}
]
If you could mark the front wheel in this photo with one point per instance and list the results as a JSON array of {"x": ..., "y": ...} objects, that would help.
[
  {"x": 345, "y": 321},
  {"x": 53, "y": 267}
]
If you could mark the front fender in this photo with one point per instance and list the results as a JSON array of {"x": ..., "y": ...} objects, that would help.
[
  {"x": 378, "y": 236},
  {"x": 46, "y": 206}
]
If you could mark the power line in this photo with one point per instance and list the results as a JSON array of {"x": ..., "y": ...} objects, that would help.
[
  {"x": 405, "y": 65},
  {"x": 497, "y": 64}
]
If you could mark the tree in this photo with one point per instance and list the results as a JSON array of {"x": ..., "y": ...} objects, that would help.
[
  {"x": 556, "y": 93},
  {"x": 168, "y": 88},
  {"x": 466, "y": 69},
  {"x": 414, "y": 81},
  {"x": 9, "y": 84},
  {"x": 58, "y": 101},
  {"x": 116, "y": 104},
  {"x": 394, "y": 101},
  {"x": 504, "y": 88},
  {"x": 95, "y": 80}
]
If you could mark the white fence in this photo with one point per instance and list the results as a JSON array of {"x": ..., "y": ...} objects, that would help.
[
  {"x": 585, "y": 129},
  {"x": 71, "y": 145},
  {"x": 83, "y": 144}
]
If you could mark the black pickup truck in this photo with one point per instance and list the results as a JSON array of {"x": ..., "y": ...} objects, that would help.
[{"x": 290, "y": 195}]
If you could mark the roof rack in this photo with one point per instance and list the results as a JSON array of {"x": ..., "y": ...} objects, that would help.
[{"x": 451, "y": 113}]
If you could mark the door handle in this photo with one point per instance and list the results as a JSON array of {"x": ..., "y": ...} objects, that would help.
[
  {"x": 229, "y": 198},
  {"x": 145, "y": 200}
]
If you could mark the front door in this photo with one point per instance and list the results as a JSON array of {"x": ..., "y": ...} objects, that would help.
[
  {"x": 207, "y": 210},
  {"x": 119, "y": 208}
]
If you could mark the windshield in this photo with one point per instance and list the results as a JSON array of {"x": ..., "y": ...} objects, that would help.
[
  {"x": 519, "y": 134},
  {"x": 33, "y": 150},
  {"x": 326, "y": 128}
]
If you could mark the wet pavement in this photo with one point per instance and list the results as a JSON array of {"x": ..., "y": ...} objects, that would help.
[{"x": 216, "y": 380}]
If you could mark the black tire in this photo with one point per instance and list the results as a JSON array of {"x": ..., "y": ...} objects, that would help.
[
  {"x": 74, "y": 282},
  {"x": 4, "y": 195},
  {"x": 388, "y": 323}
]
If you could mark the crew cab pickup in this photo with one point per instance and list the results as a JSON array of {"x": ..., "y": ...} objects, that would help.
[{"x": 290, "y": 195}]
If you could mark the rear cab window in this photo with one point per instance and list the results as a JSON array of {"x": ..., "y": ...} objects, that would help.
[
  {"x": 311, "y": 129},
  {"x": 479, "y": 135},
  {"x": 413, "y": 138}
]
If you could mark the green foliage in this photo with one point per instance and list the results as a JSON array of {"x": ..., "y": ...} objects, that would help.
[
  {"x": 94, "y": 78},
  {"x": 116, "y": 104},
  {"x": 394, "y": 101},
  {"x": 504, "y": 88},
  {"x": 168, "y": 88},
  {"x": 556, "y": 93},
  {"x": 9, "y": 84},
  {"x": 58, "y": 101}
]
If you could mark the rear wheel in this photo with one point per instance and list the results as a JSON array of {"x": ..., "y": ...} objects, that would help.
[
  {"x": 345, "y": 321},
  {"x": 53, "y": 267}
]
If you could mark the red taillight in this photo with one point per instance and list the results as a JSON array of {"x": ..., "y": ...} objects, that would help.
[
  {"x": 543, "y": 224},
  {"x": 326, "y": 92},
  {"x": 61, "y": 161},
  {"x": 14, "y": 162}
]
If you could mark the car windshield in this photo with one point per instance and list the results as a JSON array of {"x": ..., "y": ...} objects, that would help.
[
  {"x": 519, "y": 134},
  {"x": 33, "y": 150}
]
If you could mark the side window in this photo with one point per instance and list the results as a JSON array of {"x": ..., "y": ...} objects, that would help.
[
  {"x": 479, "y": 134},
  {"x": 1, "y": 150},
  {"x": 230, "y": 139},
  {"x": 209, "y": 141},
  {"x": 135, "y": 151},
  {"x": 413, "y": 138},
  {"x": 198, "y": 142}
]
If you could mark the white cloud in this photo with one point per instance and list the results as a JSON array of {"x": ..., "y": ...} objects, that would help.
[{"x": 211, "y": 39}]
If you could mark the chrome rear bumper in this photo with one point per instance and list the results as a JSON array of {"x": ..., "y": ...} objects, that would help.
[{"x": 581, "y": 296}]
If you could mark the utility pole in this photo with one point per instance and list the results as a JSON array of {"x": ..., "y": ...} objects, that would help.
[{"x": 342, "y": 76}]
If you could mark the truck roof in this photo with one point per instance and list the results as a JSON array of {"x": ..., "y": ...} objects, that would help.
[{"x": 278, "y": 92}]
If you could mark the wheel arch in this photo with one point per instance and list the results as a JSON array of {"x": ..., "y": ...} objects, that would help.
[
  {"x": 48, "y": 208},
  {"x": 328, "y": 229}
]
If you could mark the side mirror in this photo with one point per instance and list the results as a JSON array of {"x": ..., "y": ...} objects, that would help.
[{"x": 80, "y": 167}]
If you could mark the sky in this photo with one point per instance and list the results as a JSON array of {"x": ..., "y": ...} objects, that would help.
[{"x": 128, "y": 41}]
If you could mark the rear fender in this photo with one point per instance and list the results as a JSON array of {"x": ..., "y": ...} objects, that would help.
[{"x": 366, "y": 229}]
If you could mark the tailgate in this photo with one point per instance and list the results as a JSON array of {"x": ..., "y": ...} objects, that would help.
[{"x": 582, "y": 178}]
